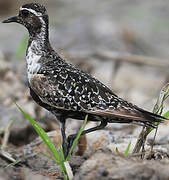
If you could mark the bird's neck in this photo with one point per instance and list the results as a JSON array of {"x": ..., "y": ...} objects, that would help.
[
  {"x": 38, "y": 48},
  {"x": 39, "y": 39}
]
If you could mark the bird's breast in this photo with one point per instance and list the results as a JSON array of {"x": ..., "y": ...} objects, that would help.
[{"x": 33, "y": 63}]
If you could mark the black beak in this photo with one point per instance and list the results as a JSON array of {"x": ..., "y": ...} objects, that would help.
[{"x": 11, "y": 19}]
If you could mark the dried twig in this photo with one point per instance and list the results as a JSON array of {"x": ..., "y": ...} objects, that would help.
[
  {"x": 6, "y": 135},
  {"x": 7, "y": 156},
  {"x": 124, "y": 57},
  {"x": 3, "y": 153},
  {"x": 132, "y": 58}
]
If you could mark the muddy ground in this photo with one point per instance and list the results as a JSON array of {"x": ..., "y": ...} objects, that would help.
[{"x": 123, "y": 43}]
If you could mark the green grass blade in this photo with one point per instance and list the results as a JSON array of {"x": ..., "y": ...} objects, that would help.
[
  {"x": 61, "y": 152},
  {"x": 50, "y": 157},
  {"x": 127, "y": 149},
  {"x": 41, "y": 132},
  {"x": 22, "y": 159},
  {"x": 55, "y": 160},
  {"x": 77, "y": 138},
  {"x": 166, "y": 115},
  {"x": 164, "y": 93},
  {"x": 159, "y": 106},
  {"x": 158, "y": 109},
  {"x": 45, "y": 139},
  {"x": 22, "y": 46}
]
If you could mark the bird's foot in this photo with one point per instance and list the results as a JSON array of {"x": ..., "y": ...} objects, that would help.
[
  {"x": 70, "y": 140},
  {"x": 66, "y": 146},
  {"x": 65, "y": 149}
]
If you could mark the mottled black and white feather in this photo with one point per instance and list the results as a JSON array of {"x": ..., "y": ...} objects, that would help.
[{"x": 64, "y": 89}]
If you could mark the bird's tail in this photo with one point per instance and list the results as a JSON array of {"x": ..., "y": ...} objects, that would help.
[
  {"x": 134, "y": 115},
  {"x": 151, "y": 119}
]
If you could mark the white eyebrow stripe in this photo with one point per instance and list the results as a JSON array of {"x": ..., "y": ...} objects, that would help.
[{"x": 32, "y": 11}]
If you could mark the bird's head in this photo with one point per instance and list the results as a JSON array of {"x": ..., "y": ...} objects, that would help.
[{"x": 33, "y": 16}]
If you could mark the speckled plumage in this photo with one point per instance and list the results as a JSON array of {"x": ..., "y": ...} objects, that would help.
[{"x": 65, "y": 90}]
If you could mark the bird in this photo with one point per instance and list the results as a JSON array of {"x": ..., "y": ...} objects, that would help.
[{"x": 67, "y": 91}]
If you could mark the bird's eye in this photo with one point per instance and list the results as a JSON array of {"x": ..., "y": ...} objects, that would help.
[{"x": 24, "y": 13}]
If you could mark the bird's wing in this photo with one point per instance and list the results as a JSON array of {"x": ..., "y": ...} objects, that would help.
[
  {"x": 80, "y": 94},
  {"x": 72, "y": 91},
  {"x": 122, "y": 114}
]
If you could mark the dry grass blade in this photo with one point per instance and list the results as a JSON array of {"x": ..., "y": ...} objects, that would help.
[
  {"x": 68, "y": 170},
  {"x": 3, "y": 153},
  {"x": 158, "y": 109},
  {"x": 7, "y": 156},
  {"x": 22, "y": 159},
  {"x": 6, "y": 135}
]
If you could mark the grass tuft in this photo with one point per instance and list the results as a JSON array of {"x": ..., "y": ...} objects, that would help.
[
  {"x": 127, "y": 149},
  {"x": 158, "y": 109},
  {"x": 58, "y": 157},
  {"x": 125, "y": 154}
]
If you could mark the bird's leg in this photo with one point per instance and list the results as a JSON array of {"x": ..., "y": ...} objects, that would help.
[
  {"x": 71, "y": 137},
  {"x": 64, "y": 140}
]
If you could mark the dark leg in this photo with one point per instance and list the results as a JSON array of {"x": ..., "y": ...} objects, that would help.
[
  {"x": 71, "y": 137},
  {"x": 64, "y": 140}
]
